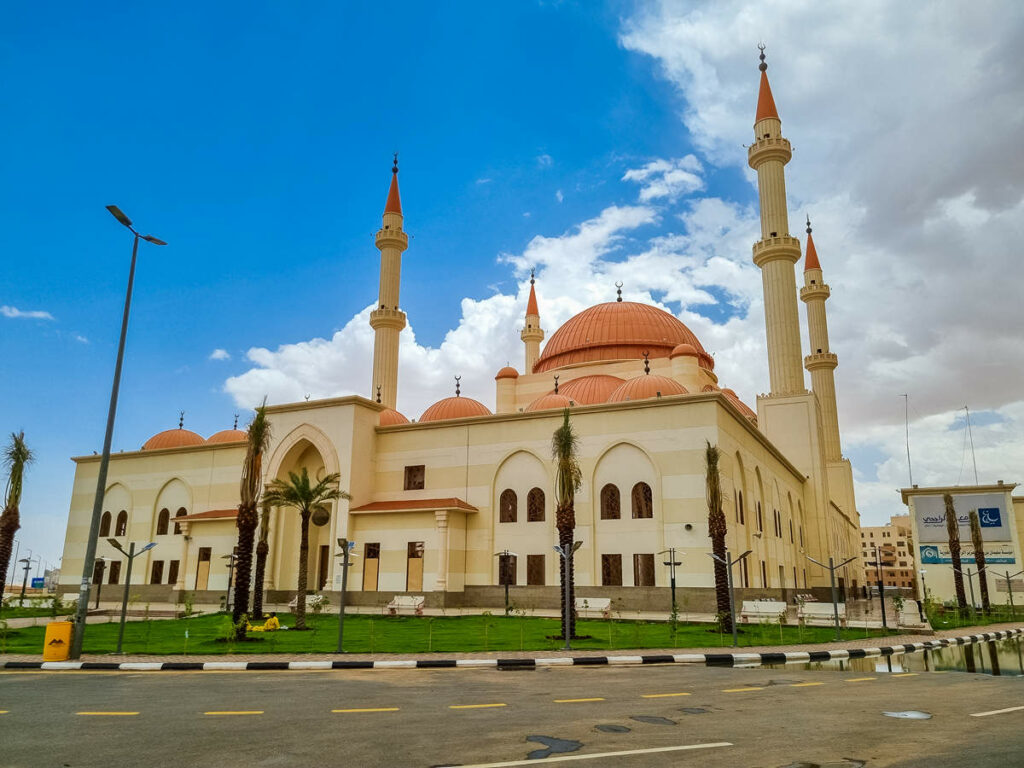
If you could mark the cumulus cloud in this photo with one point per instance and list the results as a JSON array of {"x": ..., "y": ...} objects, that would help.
[
  {"x": 667, "y": 178},
  {"x": 545, "y": 160},
  {"x": 220, "y": 354},
  {"x": 559, "y": 196},
  {"x": 35, "y": 314},
  {"x": 80, "y": 338}
]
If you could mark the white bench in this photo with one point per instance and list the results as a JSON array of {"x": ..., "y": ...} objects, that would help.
[
  {"x": 762, "y": 609},
  {"x": 804, "y": 599},
  {"x": 821, "y": 614},
  {"x": 602, "y": 606},
  {"x": 312, "y": 601},
  {"x": 411, "y": 603}
]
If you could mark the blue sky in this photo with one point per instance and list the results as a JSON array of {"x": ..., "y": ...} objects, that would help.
[{"x": 256, "y": 140}]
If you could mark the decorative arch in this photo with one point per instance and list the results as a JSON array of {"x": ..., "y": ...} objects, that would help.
[
  {"x": 303, "y": 433},
  {"x": 173, "y": 494},
  {"x": 624, "y": 464}
]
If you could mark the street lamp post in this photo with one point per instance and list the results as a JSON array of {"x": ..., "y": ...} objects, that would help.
[
  {"x": 832, "y": 568},
  {"x": 101, "y": 480},
  {"x": 231, "y": 558},
  {"x": 672, "y": 563},
  {"x": 970, "y": 581},
  {"x": 729, "y": 563},
  {"x": 505, "y": 573},
  {"x": 567, "y": 565},
  {"x": 881, "y": 587},
  {"x": 1009, "y": 589},
  {"x": 347, "y": 551},
  {"x": 102, "y": 563},
  {"x": 924, "y": 585},
  {"x": 131, "y": 554},
  {"x": 24, "y": 582}
]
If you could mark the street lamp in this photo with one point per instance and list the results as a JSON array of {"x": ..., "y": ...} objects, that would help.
[
  {"x": 729, "y": 563},
  {"x": 567, "y": 564},
  {"x": 24, "y": 582},
  {"x": 924, "y": 584},
  {"x": 832, "y": 578},
  {"x": 506, "y": 576},
  {"x": 102, "y": 563},
  {"x": 231, "y": 558},
  {"x": 672, "y": 563},
  {"x": 881, "y": 587},
  {"x": 101, "y": 480},
  {"x": 131, "y": 554},
  {"x": 347, "y": 551}
]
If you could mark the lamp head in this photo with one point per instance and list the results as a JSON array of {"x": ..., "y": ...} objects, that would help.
[
  {"x": 116, "y": 545},
  {"x": 153, "y": 240},
  {"x": 147, "y": 547},
  {"x": 118, "y": 214}
]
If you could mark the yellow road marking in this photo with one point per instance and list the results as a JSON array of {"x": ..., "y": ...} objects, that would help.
[
  {"x": 367, "y": 709},
  {"x": 474, "y": 706},
  {"x": 4, "y": 711},
  {"x": 859, "y": 679},
  {"x": 111, "y": 714},
  {"x": 235, "y": 712},
  {"x": 741, "y": 690},
  {"x": 906, "y": 674},
  {"x": 803, "y": 685},
  {"x": 661, "y": 695},
  {"x": 577, "y": 701}
]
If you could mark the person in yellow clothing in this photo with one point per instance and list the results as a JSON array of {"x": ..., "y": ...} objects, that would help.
[{"x": 270, "y": 625}]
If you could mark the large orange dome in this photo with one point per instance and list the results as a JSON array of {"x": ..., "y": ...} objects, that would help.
[
  {"x": 548, "y": 402},
  {"x": 172, "y": 438},
  {"x": 587, "y": 390},
  {"x": 227, "y": 436},
  {"x": 648, "y": 385},
  {"x": 389, "y": 417},
  {"x": 616, "y": 330},
  {"x": 454, "y": 408}
]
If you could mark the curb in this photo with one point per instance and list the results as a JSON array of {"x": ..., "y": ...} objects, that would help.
[{"x": 705, "y": 659}]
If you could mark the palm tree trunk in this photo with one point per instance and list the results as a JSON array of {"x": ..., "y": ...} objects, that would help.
[
  {"x": 247, "y": 522},
  {"x": 261, "y": 565},
  {"x": 300, "y": 602},
  {"x": 953, "y": 531},
  {"x": 979, "y": 559},
  {"x": 716, "y": 531},
  {"x": 566, "y": 519},
  {"x": 9, "y": 524}
]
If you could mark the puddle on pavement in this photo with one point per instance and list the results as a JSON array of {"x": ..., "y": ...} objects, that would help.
[
  {"x": 652, "y": 720},
  {"x": 845, "y": 763},
  {"x": 694, "y": 710},
  {"x": 611, "y": 728},
  {"x": 552, "y": 746},
  {"x": 910, "y": 714}
]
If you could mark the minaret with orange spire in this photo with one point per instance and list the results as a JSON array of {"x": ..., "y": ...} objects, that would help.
[
  {"x": 776, "y": 252},
  {"x": 532, "y": 334},
  {"x": 387, "y": 320},
  {"x": 821, "y": 363}
]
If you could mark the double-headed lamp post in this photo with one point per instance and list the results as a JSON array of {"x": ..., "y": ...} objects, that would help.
[
  {"x": 101, "y": 479},
  {"x": 832, "y": 568},
  {"x": 506, "y": 576},
  {"x": 232, "y": 558},
  {"x": 131, "y": 554},
  {"x": 567, "y": 565},
  {"x": 348, "y": 551},
  {"x": 672, "y": 564},
  {"x": 24, "y": 582},
  {"x": 729, "y": 563}
]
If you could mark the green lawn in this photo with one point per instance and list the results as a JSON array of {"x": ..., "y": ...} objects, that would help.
[
  {"x": 951, "y": 618},
  {"x": 405, "y": 634}
]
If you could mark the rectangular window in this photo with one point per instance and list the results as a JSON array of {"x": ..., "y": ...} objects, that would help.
[
  {"x": 611, "y": 570},
  {"x": 157, "y": 574},
  {"x": 414, "y": 477},
  {"x": 745, "y": 571},
  {"x": 535, "y": 570},
  {"x": 643, "y": 570},
  {"x": 172, "y": 572},
  {"x": 97, "y": 571},
  {"x": 507, "y": 570},
  {"x": 764, "y": 575},
  {"x": 115, "y": 572}
]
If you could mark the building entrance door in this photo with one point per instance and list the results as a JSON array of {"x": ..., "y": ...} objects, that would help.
[
  {"x": 203, "y": 568},
  {"x": 371, "y": 567},
  {"x": 414, "y": 567},
  {"x": 321, "y": 577}
]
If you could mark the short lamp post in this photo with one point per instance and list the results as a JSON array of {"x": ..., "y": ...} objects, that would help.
[
  {"x": 506, "y": 574},
  {"x": 101, "y": 562},
  {"x": 131, "y": 554},
  {"x": 232, "y": 558},
  {"x": 729, "y": 563},
  {"x": 24, "y": 582},
  {"x": 832, "y": 568},
  {"x": 924, "y": 585},
  {"x": 346, "y": 555},
  {"x": 881, "y": 586},
  {"x": 672, "y": 564},
  {"x": 567, "y": 566}
]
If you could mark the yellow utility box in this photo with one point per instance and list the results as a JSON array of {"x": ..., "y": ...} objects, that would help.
[{"x": 57, "y": 644}]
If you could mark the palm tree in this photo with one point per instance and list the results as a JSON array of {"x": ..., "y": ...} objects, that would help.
[
  {"x": 717, "y": 531},
  {"x": 565, "y": 444},
  {"x": 298, "y": 493},
  {"x": 979, "y": 558},
  {"x": 953, "y": 530},
  {"x": 16, "y": 457},
  {"x": 262, "y": 548},
  {"x": 249, "y": 492}
]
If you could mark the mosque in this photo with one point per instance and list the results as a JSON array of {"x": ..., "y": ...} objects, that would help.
[{"x": 434, "y": 498}]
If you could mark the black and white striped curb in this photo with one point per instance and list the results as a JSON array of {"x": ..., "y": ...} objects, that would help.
[{"x": 705, "y": 659}]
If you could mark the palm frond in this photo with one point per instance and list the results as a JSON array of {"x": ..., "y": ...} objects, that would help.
[
  {"x": 252, "y": 468},
  {"x": 565, "y": 444},
  {"x": 16, "y": 457}
]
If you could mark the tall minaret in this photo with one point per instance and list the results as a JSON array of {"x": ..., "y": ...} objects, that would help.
[
  {"x": 532, "y": 334},
  {"x": 821, "y": 363},
  {"x": 776, "y": 252},
  {"x": 387, "y": 320}
]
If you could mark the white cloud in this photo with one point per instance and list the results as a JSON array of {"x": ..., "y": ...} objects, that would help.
[
  {"x": 79, "y": 338},
  {"x": 545, "y": 160},
  {"x": 14, "y": 312},
  {"x": 667, "y": 178},
  {"x": 220, "y": 354},
  {"x": 559, "y": 196},
  {"x": 484, "y": 181}
]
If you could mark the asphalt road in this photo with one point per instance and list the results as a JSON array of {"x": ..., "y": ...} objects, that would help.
[{"x": 650, "y": 716}]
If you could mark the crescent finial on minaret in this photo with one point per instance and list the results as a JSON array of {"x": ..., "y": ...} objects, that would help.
[
  {"x": 458, "y": 391},
  {"x": 618, "y": 289},
  {"x": 647, "y": 363},
  {"x": 808, "y": 224},
  {"x": 763, "y": 65},
  {"x": 181, "y": 419},
  {"x": 394, "y": 168}
]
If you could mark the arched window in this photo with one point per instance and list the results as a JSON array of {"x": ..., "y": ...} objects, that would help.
[
  {"x": 177, "y": 526},
  {"x": 610, "y": 506},
  {"x": 105, "y": 524},
  {"x": 741, "y": 508},
  {"x": 642, "y": 501},
  {"x": 162, "y": 521},
  {"x": 535, "y": 506},
  {"x": 507, "y": 506},
  {"x": 121, "y": 528}
]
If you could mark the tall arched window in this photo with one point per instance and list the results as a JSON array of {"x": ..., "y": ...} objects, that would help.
[
  {"x": 611, "y": 509},
  {"x": 507, "y": 506},
  {"x": 642, "y": 501},
  {"x": 162, "y": 521},
  {"x": 535, "y": 506},
  {"x": 177, "y": 526},
  {"x": 105, "y": 524},
  {"x": 121, "y": 528},
  {"x": 742, "y": 522}
]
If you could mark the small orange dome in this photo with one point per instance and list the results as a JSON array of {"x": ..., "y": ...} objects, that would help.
[
  {"x": 587, "y": 390},
  {"x": 643, "y": 387},
  {"x": 389, "y": 417},
  {"x": 744, "y": 408},
  {"x": 454, "y": 408},
  {"x": 172, "y": 438},
  {"x": 685, "y": 349},
  {"x": 548, "y": 402},
  {"x": 508, "y": 372},
  {"x": 228, "y": 436}
]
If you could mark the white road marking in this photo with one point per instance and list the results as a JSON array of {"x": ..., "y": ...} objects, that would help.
[
  {"x": 996, "y": 712},
  {"x": 567, "y": 758}
]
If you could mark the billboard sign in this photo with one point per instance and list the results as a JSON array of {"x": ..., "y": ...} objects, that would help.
[
  {"x": 930, "y": 514},
  {"x": 38, "y": 582},
  {"x": 938, "y": 554}
]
